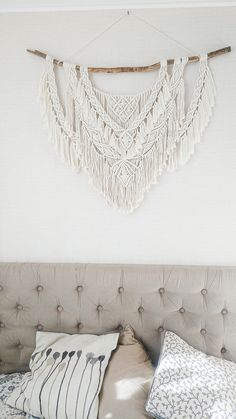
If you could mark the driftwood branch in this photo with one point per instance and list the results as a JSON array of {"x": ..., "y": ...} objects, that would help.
[{"x": 151, "y": 67}]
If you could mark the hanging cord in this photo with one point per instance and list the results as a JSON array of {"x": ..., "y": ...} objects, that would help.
[
  {"x": 99, "y": 35},
  {"x": 151, "y": 67},
  {"x": 123, "y": 16},
  {"x": 163, "y": 34}
]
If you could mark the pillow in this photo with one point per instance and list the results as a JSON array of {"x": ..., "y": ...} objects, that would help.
[
  {"x": 66, "y": 376},
  {"x": 127, "y": 381},
  {"x": 190, "y": 384}
]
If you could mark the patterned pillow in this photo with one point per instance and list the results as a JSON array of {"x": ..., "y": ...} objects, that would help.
[
  {"x": 8, "y": 383},
  {"x": 189, "y": 384},
  {"x": 66, "y": 376}
]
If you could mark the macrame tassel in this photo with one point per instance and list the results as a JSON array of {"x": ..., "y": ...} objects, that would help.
[
  {"x": 122, "y": 184},
  {"x": 180, "y": 104},
  {"x": 71, "y": 84},
  {"x": 61, "y": 132},
  {"x": 197, "y": 118}
]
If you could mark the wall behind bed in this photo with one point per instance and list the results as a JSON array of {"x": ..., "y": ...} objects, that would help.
[{"x": 47, "y": 212}]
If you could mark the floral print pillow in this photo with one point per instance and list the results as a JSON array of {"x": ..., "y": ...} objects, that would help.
[{"x": 189, "y": 384}]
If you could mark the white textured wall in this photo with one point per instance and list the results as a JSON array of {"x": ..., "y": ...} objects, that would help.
[{"x": 47, "y": 213}]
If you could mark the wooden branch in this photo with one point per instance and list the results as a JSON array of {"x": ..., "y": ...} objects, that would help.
[{"x": 151, "y": 67}]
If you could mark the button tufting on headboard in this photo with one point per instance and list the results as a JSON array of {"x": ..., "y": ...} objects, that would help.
[
  {"x": 197, "y": 303},
  {"x": 161, "y": 290},
  {"x": 20, "y": 346},
  {"x": 39, "y": 327}
]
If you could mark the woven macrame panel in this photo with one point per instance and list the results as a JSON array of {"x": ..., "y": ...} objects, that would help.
[{"x": 125, "y": 142}]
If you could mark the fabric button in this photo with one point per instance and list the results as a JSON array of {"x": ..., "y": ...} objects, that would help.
[
  {"x": 20, "y": 346},
  {"x": 80, "y": 288},
  {"x": 39, "y": 288},
  {"x": 120, "y": 328},
  {"x": 161, "y": 290},
  {"x": 39, "y": 327},
  {"x": 182, "y": 310},
  {"x": 2, "y": 325},
  {"x": 121, "y": 290},
  {"x": 80, "y": 325},
  {"x": 203, "y": 331},
  {"x": 203, "y": 291},
  {"x": 59, "y": 308},
  {"x": 99, "y": 308},
  {"x": 160, "y": 329},
  {"x": 19, "y": 307},
  {"x": 223, "y": 350},
  {"x": 224, "y": 311},
  {"x": 140, "y": 309}
]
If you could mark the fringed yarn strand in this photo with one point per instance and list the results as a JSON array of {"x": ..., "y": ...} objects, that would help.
[
  {"x": 197, "y": 117},
  {"x": 60, "y": 129}
]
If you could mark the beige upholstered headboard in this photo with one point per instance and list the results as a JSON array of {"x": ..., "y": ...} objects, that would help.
[{"x": 198, "y": 303}]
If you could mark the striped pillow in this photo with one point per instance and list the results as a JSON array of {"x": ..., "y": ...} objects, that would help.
[{"x": 66, "y": 376}]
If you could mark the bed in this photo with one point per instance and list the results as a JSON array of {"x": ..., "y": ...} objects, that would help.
[{"x": 197, "y": 303}]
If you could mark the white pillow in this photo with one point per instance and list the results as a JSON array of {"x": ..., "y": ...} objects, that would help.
[
  {"x": 189, "y": 384},
  {"x": 66, "y": 376}
]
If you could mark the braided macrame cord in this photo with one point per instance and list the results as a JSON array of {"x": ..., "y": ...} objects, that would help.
[
  {"x": 125, "y": 142},
  {"x": 61, "y": 125}
]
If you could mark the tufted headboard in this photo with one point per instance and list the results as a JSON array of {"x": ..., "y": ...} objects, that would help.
[{"x": 198, "y": 303}]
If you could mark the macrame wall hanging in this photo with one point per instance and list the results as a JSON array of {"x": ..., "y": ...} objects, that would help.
[{"x": 125, "y": 142}]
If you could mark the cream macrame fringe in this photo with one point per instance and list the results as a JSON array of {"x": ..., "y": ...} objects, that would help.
[
  {"x": 197, "y": 118},
  {"x": 61, "y": 130},
  {"x": 125, "y": 152}
]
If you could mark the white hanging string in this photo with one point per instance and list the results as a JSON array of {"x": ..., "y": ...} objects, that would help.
[
  {"x": 163, "y": 34},
  {"x": 96, "y": 37},
  {"x": 141, "y": 19}
]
